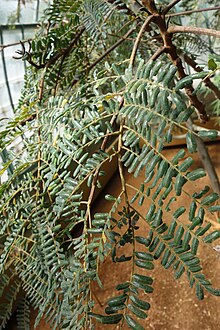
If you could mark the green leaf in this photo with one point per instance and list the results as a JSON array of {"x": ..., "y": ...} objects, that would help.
[
  {"x": 150, "y": 212},
  {"x": 132, "y": 323},
  {"x": 138, "y": 312},
  {"x": 202, "y": 230},
  {"x": 192, "y": 210},
  {"x": 142, "y": 240},
  {"x": 210, "y": 199},
  {"x": 140, "y": 303},
  {"x": 95, "y": 230},
  {"x": 183, "y": 83},
  {"x": 194, "y": 245},
  {"x": 183, "y": 167},
  {"x": 143, "y": 264},
  {"x": 179, "y": 212},
  {"x": 113, "y": 319},
  {"x": 196, "y": 174},
  {"x": 114, "y": 309},
  {"x": 158, "y": 218},
  {"x": 186, "y": 240},
  {"x": 110, "y": 198},
  {"x": 159, "y": 250},
  {"x": 180, "y": 271},
  {"x": 199, "y": 75},
  {"x": 142, "y": 286},
  {"x": 143, "y": 278},
  {"x": 212, "y": 237},
  {"x": 119, "y": 300},
  {"x": 214, "y": 208},
  {"x": 179, "y": 183},
  {"x": 179, "y": 234},
  {"x": 123, "y": 286},
  {"x": 201, "y": 193},
  {"x": 180, "y": 154},
  {"x": 195, "y": 222},
  {"x": 211, "y": 64},
  {"x": 170, "y": 261},
  {"x": 166, "y": 256},
  {"x": 191, "y": 142},
  {"x": 208, "y": 134},
  {"x": 199, "y": 291},
  {"x": 144, "y": 256}
]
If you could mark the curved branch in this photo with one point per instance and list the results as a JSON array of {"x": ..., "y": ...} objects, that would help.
[
  {"x": 188, "y": 12},
  {"x": 138, "y": 39},
  {"x": 192, "y": 29}
]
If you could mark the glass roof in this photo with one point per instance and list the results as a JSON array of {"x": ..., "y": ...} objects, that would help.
[{"x": 18, "y": 20}]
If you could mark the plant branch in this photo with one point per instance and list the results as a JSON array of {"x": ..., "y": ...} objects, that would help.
[
  {"x": 96, "y": 174},
  {"x": 138, "y": 39},
  {"x": 171, "y": 50},
  {"x": 123, "y": 7},
  {"x": 120, "y": 165},
  {"x": 195, "y": 30},
  {"x": 207, "y": 81},
  {"x": 55, "y": 58},
  {"x": 170, "y": 6},
  {"x": 123, "y": 38},
  {"x": 58, "y": 75},
  {"x": 150, "y": 6},
  {"x": 14, "y": 44},
  {"x": 159, "y": 51},
  {"x": 188, "y": 12}
]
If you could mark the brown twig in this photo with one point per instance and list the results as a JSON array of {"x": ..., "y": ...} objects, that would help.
[
  {"x": 150, "y": 6},
  {"x": 53, "y": 60},
  {"x": 124, "y": 7},
  {"x": 95, "y": 178},
  {"x": 14, "y": 44},
  {"x": 96, "y": 174},
  {"x": 171, "y": 50},
  {"x": 58, "y": 74},
  {"x": 194, "y": 30},
  {"x": 159, "y": 51},
  {"x": 137, "y": 41},
  {"x": 189, "y": 12},
  {"x": 123, "y": 38},
  {"x": 207, "y": 80},
  {"x": 170, "y": 6},
  {"x": 55, "y": 57}
]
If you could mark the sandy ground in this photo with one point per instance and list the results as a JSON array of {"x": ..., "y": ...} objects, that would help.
[{"x": 173, "y": 304}]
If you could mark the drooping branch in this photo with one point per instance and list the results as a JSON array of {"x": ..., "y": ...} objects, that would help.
[{"x": 194, "y": 30}]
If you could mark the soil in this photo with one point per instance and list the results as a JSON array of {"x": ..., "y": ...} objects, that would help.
[{"x": 174, "y": 304}]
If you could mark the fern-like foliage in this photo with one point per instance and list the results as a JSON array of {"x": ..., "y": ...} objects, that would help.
[{"x": 118, "y": 115}]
